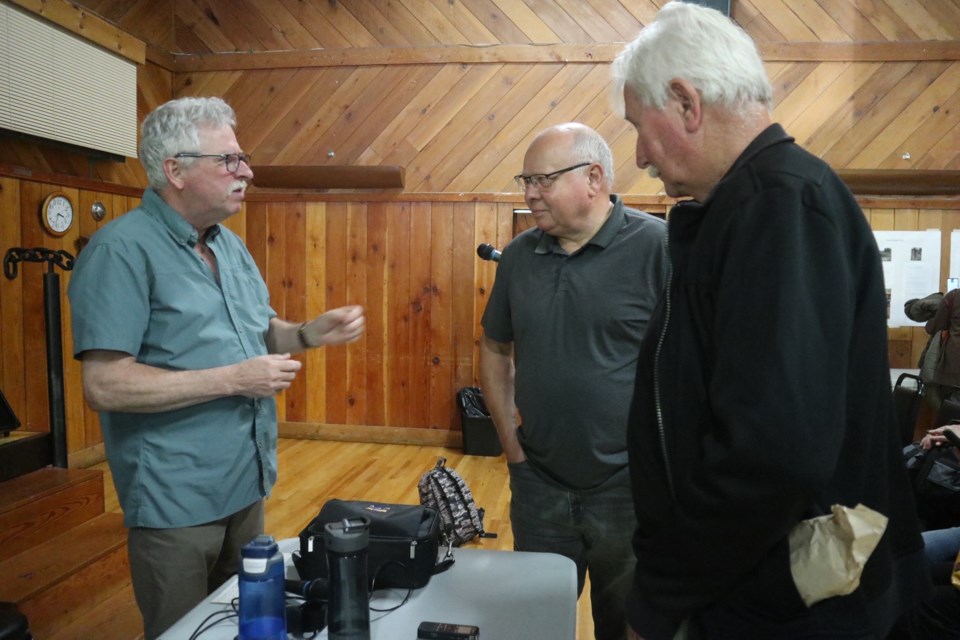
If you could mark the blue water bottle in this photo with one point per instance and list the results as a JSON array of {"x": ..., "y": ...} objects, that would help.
[{"x": 261, "y": 591}]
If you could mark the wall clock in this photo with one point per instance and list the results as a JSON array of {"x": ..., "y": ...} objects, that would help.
[{"x": 56, "y": 213}]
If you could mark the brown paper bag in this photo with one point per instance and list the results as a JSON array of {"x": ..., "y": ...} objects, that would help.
[
  {"x": 828, "y": 553},
  {"x": 955, "y": 576}
]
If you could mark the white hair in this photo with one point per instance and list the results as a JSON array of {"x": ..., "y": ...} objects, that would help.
[
  {"x": 173, "y": 128},
  {"x": 700, "y": 45}
]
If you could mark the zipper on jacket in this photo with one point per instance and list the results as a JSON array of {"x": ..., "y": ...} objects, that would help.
[{"x": 656, "y": 377}]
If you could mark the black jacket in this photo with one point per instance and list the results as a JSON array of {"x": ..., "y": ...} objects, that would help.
[{"x": 763, "y": 397}]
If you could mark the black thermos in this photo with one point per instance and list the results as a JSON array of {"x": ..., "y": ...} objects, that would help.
[{"x": 348, "y": 611}]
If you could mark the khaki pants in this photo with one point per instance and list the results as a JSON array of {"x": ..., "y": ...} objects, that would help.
[{"x": 173, "y": 570}]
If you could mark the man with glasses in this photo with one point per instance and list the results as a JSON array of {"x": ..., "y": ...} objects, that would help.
[
  {"x": 182, "y": 356},
  {"x": 562, "y": 331}
]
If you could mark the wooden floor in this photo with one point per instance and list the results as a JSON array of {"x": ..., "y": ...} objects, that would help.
[{"x": 313, "y": 471}]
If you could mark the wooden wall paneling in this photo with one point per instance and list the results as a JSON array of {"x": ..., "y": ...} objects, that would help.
[
  {"x": 315, "y": 292},
  {"x": 11, "y": 302},
  {"x": 369, "y": 13},
  {"x": 924, "y": 104},
  {"x": 436, "y": 26},
  {"x": 847, "y": 150},
  {"x": 854, "y": 96},
  {"x": 494, "y": 19},
  {"x": 409, "y": 22},
  {"x": 486, "y": 225},
  {"x": 292, "y": 112},
  {"x": 398, "y": 388},
  {"x": 336, "y": 389},
  {"x": 254, "y": 90},
  {"x": 379, "y": 105},
  {"x": 356, "y": 290},
  {"x": 464, "y": 26},
  {"x": 821, "y": 24},
  {"x": 544, "y": 21},
  {"x": 442, "y": 388},
  {"x": 379, "y": 102},
  {"x": 376, "y": 309},
  {"x": 316, "y": 129},
  {"x": 393, "y": 133},
  {"x": 947, "y": 16},
  {"x": 941, "y": 124},
  {"x": 511, "y": 141},
  {"x": 925, "y": 24},
  {"x": 295, "y": 307},
  {"x": 204, "y": 83},
  {"x": 594, "y": 24},
  {"x": 447, "y": 103},
  {"x": 356, "y": 32},
  {"x": 187, "y": 40},
  {"x": 446, "y": 153},
  {"x": 293, "y": 15},
  {"x": 202, "y": 19},
  {"x": 420, "y": 301},
  {"x": 848, "y": 16},
  {"x": 492, "y": 123},
  {"x": 818, "y": 99},
  {"x": 944, "y": 154},
  {"x": 464, "y": 264}
]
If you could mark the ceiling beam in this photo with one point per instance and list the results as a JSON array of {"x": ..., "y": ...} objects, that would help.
[
  {"x": 901, "y": 182},
  {"x": 328, "y": 177}
]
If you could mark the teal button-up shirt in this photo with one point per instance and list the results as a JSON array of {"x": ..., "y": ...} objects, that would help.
[{"x": 140, "y": 288}]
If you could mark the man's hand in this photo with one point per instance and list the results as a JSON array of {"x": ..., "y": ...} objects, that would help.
[
  {"x": 264, "y": 376},
  {"x": 337, "y": 326},
  {"x": 937, "y": 437}
]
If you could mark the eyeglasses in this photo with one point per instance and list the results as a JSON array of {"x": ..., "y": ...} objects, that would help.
[
  {"x": 544, "y": 180},
  {"x": 230, "y": 160}
]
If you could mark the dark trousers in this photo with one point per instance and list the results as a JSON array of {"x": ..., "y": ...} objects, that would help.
[
  {"x": 594, "y": 528},
  {"x": 173, "y": 570}
]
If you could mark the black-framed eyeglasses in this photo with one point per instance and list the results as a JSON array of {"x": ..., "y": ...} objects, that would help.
[
  {"x": 230, "y": 160},
  {"x": 544, "y": 180}
]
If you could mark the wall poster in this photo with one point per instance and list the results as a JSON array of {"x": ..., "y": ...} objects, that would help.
[{"x": 911, "y": 269}]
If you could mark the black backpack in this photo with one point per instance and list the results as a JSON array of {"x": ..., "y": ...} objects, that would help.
[{"x": 446, "y": 491}]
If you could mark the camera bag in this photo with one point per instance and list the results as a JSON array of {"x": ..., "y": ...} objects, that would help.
[{"x": 403, "y": 547}]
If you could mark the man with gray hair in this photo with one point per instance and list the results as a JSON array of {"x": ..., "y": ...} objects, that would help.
[
  {"x": 182, "y": 357},
  {"x": 561, "y": 332},
  {"x": 763, "y": 407}
]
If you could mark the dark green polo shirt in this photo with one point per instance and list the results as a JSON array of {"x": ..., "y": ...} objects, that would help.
[{"x": 576, "y": 322}]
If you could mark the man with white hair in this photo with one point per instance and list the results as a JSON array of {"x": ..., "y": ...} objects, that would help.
[
  {"x": 182, "y": 356},
  {"x": 763, "y": 388}
]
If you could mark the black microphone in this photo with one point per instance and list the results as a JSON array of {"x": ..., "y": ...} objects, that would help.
[
  {"x": 318, "y": 589},
  {"x": 487, "y": 252}
]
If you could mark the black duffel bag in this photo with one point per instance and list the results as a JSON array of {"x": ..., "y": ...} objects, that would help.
[
  {"x": 403, "y": 547},
  {"x": 935, "y": 475}
]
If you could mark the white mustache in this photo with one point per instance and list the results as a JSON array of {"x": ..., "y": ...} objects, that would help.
[
  {"x": 239, "y": 184},
  {"x": 653, "y": 172}
]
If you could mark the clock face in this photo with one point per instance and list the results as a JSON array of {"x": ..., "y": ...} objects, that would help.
[{"x": 58, "y": 214}]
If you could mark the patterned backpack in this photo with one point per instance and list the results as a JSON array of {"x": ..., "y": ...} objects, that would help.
[{"x": 446, "y": 491}]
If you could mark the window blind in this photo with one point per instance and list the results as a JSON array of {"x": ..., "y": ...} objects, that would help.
[{"x": 57, "y": 86}]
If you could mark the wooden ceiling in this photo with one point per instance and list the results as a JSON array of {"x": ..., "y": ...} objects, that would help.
[{"x": 452, "y": 91}]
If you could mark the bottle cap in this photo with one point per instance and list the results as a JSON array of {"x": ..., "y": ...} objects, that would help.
[
  {"x": 260, "y": 547},
  {"x": 348, "y": 535}
]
